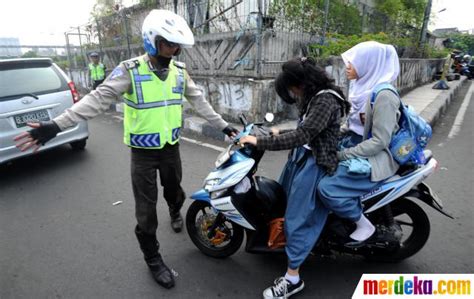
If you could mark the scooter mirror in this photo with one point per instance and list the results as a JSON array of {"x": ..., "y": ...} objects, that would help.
[
  {"x": 269, "y": 117},
  {"x": 243, "y": 119}
]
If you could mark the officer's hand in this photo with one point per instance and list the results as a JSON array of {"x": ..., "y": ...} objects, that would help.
[
  {"x": 40, "y": 134},
  {"x": 230, "y": 131}
]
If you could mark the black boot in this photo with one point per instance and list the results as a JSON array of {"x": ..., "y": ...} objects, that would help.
[
  {"x": 176, "y": 222},
  {"x": 160, "y": 272}
]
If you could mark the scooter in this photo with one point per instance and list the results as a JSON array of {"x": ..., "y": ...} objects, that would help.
[
  {"x": 461, "y": 67},
  {"x": 234, "y": 201}
]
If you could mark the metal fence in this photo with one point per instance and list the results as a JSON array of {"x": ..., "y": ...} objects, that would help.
[{"x": 248, "y": 38}]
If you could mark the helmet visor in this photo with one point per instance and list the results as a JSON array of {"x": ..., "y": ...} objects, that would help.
[{"x": 171, "y": 44}]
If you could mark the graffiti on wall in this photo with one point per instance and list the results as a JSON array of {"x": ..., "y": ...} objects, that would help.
[{"x": 228, "y": 94}]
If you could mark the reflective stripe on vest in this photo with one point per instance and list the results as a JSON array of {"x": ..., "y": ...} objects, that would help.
[
  {"x": 154, "y": 104},
  {"x": 153, "y": 111},
  {"x": 97, "y": 71}
]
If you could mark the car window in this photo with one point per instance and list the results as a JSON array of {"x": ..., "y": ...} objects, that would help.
[{"x": 29, "y": 80}]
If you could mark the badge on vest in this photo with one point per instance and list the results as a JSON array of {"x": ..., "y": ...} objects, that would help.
[
  {"x": 117, "y": 72},
  {"x": 130, "y": 64},
  {"x": 179, "y": 83}
]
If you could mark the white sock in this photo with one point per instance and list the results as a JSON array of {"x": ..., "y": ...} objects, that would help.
[
  {"x": 364, "y": 229},
  {"x": 294, "y": 279}
]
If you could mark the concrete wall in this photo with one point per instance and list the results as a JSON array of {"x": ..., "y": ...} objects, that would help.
[{"x": 231, "y": 95}]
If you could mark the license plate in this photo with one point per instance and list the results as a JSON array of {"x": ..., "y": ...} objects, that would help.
[{"x": 35, "y": 116}]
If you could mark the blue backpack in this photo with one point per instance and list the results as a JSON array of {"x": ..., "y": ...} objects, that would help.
[{"x": 413, "y": 135}]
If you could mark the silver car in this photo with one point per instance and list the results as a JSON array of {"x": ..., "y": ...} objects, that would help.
[{"x": 34, "y": 90}]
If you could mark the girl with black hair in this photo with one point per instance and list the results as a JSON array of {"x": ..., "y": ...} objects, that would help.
[{"x": 321, "y": 106}]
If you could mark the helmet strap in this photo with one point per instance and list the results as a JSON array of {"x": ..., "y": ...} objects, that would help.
[{"x": 162, "y": 62}]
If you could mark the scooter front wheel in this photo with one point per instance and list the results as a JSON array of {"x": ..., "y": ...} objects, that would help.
[{"x": 212, "y": 233}]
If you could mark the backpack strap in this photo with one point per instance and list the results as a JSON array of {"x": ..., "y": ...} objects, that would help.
[
  {"x": 378, "y": 88},
  {"x": 333, "y": 92}
]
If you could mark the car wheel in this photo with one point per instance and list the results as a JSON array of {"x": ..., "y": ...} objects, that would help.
[{"x": 79, "y": 145}]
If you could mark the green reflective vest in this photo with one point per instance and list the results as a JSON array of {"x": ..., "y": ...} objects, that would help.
[
  {"x": 153, "y": 111},
  {"x": 97, "y": 71}
]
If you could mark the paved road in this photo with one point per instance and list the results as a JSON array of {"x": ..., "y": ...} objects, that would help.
[{"x": 60, "y": 235}]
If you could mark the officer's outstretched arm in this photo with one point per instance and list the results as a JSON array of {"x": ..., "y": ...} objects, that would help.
[{"x": 88, "y": 107}]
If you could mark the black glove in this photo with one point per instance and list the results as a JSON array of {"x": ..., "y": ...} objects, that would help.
[
  {"x": 229, "y": 130},
  {"x": 47, "y": 131}
]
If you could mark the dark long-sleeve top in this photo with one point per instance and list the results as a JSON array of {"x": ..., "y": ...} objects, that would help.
[{"x": 319, "y": 129}]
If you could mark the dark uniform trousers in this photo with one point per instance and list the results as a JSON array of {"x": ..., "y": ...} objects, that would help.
[{"x": 144, "y": 166}]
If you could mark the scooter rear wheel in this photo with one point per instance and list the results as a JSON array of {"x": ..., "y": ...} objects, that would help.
[
  {"x": 415, "y": 227},
  {"x": 226, "y": 238}
]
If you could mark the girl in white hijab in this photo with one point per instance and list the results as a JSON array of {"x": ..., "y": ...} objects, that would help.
[
  {"x": 368, "y": 64},
  {"x": 374, "y": 63}
]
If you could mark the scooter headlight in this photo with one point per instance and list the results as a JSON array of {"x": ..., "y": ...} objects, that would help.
[
  {"x": 218, "y": 193},
  {"x": 211, "y": 183}
]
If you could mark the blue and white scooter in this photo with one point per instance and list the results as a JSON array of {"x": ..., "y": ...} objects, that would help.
[{"x": 235, "y": 200}]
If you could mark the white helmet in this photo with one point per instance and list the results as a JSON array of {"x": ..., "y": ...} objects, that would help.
[
  {"x": 168, "y": 25},
  {"x": 467, "y": 58}
]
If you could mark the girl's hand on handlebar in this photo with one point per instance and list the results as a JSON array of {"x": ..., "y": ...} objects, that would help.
[
  {"x": 248, "y": 139},
  {"x": 274, "y": 131}
]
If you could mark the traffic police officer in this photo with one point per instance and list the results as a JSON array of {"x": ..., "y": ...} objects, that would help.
[
  {"x": 96, "y": 70},
  {"x": 153, "y": 86}
]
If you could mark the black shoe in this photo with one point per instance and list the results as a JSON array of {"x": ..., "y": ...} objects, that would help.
[
  {"x": 160, "y": 272},
  {"x": 282, "y": 288},
  {"x": 177, "y": 222}
]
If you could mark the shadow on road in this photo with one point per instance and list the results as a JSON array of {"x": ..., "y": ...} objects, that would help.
[{"x": 38, "y": 164}]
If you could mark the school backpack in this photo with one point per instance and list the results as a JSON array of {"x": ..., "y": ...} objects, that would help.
[{"x": 413, "y": 134}]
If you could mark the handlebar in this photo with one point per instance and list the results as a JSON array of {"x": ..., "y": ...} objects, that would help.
[{"x": 248, "y": 127}]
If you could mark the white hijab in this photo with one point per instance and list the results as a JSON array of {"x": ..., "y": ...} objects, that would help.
[{"x": 374, "y": 63}]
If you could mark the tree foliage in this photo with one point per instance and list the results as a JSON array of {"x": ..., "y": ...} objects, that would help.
[
  {"x": 336, "y": 44},
  {"x": 108, "y": 16},
  {"x": 30, "y": 54},
  {"x": 308, "y": 16},
  {"x": 463, "y": 42},
  {"x": 405, "y": 16}
]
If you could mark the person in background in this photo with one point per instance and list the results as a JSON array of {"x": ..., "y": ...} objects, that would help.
[{"x": 96, "y": 70}]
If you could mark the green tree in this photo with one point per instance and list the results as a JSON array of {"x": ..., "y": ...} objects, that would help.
[
  {"x": 405, "y": 17},
  {"x": 308, "y": 16},
  {"x": 30, "y": 54},
  {"x": 463, "y": 42},
  {"x": 344, "y": 18}
]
